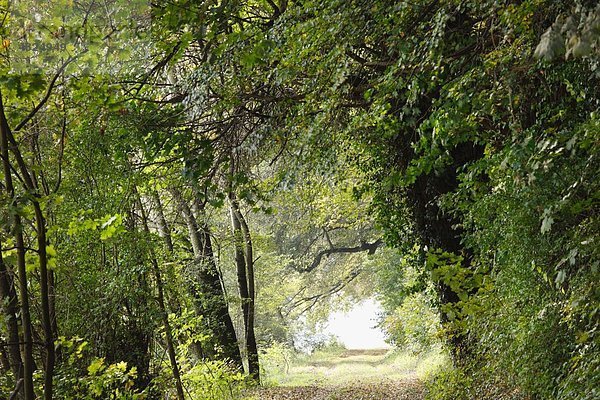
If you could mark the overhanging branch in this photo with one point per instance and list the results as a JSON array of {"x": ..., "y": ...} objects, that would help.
[
  {"x": 364, "y": 246},
  {"x": 49, "y": 90},
  {"x": 308, "y": 302}
]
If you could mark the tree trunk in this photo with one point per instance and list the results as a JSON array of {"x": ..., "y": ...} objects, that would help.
[
  {"x": 439, "y": 230},
  {"x": 8, "y": 297},
  {"x": 207, "y": 290},
  {"x": 219, "y": 319},
  {"x": 28, "y": 363},
  {"x": 163, "y": 310},
  {"x": 245, "y": 271},
  {"x": 45, "y": 296},
  {"x": 52, "y": 305},
  {"x": 163, "y": 226},
  {"x": 190, "y": 222}
]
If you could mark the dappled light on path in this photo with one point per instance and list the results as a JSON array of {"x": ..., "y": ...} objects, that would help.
[{"x": 352, "y": 374}]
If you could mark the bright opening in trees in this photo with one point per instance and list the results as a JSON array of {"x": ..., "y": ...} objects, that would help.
[{"x": 299, "y": 199}]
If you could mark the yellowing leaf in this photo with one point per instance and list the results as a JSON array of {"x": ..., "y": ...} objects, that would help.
[{"x": 96, "y": 366}]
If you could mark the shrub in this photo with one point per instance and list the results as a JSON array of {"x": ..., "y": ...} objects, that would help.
[
  {"x": 78, "y": 379},
  {"x": 274, "y": 361},
  {"x": 214, "y": 380},
  {"x": 413, "y": 325}
]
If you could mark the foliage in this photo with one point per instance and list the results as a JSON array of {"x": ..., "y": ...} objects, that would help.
[
  {"x": 576, "y": 35},
  {"x": 276, "y": 361},
  {"x": 462, "y": 135},
  {"x": 409, "y": 319},
  {"x": 469, "y": 149},
  {"x": 97, "y": 380},
  {"x": 412, "y": 326},
  {"x": 451, "y": 384},
  {"x": 214, "y": 380}
]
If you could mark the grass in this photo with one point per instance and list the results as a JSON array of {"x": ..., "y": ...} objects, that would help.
[{"x": 339, "y": 367}]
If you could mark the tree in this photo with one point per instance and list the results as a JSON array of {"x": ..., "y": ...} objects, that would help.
[
  {"x": 228, "y": 147},
  {"x": 206, "y": 287}
]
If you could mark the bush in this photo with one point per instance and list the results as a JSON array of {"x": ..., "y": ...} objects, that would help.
[
  {"x": 78, "y": 379},
  {"x": 472, "y": 384},
  {"x": 413, "y": 325},
  {"x": 275, "y": 361},
  {"x": 214, "y": 380},
  {"x": 450, "y": 384}
]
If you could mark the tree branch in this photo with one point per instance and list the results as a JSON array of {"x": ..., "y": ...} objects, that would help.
[
  {"x": 314, "y": 299},
  {"x": 15, "y": 393},
  {"x": 47, "y": 95},
  {"x": 364, "y": 246}
]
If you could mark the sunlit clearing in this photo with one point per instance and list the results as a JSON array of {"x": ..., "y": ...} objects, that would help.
[{"x": 356, "y": 328}]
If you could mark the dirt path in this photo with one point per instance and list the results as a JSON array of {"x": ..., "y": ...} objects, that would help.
[
  {"x": 407, "y": 389},
  {"x": 349, "y": 375}
]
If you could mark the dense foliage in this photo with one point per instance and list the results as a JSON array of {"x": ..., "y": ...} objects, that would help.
[{"x": 186, "y": 183}]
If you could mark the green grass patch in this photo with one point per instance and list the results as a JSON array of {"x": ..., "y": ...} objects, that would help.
[{"x": 336, "y": 367}]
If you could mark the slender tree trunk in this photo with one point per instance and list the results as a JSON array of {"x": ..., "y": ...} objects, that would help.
[
  {"x": 245, "y": 271},
  {"x": 190, "y": 222},
  {"x": 8, "y": 297},
  {"x": 196, "y": 283},
  {"x": 45, "y": 297},
  {"x": 240, "y": 262},
  {"x": 168, "y": 331},
  {"x": 220, "y": 320},
  {"x": 163, "y": 226},
  {"x": 28, "y": 364},
  {"x": 52, "y": 304},
  {"x": 207, "y": 290},
  {"x": 253, "y": 362},
  {"x": 163, "y": 310}
]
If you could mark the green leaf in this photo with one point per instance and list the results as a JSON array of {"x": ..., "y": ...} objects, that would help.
[
  {"x": 560, "y": 277},
  {"x": 547, "y": 222},
  {"x": 50, "y": 251},
  {"x": 96, "y": 366}
]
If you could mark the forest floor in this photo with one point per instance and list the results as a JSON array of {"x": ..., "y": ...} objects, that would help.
[
  {"x": 351, "y": 375},
  {"x": 405, "y": 389}
]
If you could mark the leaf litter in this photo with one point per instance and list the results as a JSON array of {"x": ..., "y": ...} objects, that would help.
[{"x": 406, "y": 389}]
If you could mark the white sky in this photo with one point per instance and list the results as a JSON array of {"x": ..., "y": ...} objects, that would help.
[{"x": 356, "y": 328}]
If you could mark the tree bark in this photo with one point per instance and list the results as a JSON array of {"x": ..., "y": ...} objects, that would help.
[
  {"x": 28, "y": 363},
  {"x": 207, "y": 290},
  {"x": 163, "y": 226},
  {"x": 8, "y": 297},
  {"x": 437, "y": 229},
  {"x": 245, "y": 271},
  {"x": 371, "y": 248},
  {"x": 45, "y": 297},
  {"x": 163, "y": 310},
  {"x": 190, "y": 222},
  {"x": 52, "y": 305}
]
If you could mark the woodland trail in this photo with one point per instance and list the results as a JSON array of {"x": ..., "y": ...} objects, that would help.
[
  {"x": 408, "y": 389},
  {"x": 352, "y": 375}
]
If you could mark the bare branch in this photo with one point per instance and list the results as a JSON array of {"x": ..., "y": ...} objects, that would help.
[
  {"x": 312, "y": 300},
  {"x": 364, "y": 246}
]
